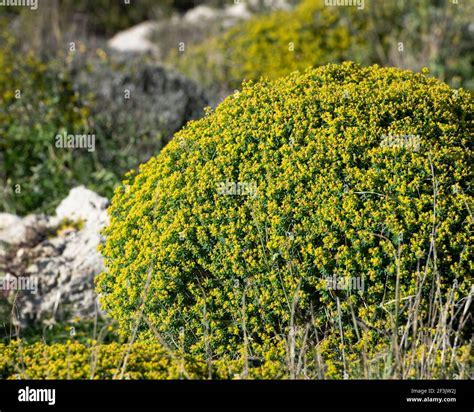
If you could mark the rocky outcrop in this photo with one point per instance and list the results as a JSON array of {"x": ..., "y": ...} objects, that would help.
[{"x": 48, "y": 263}]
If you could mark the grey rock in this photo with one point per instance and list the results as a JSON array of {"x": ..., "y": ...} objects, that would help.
[
  {"x": 137, "y": 102},
  {"x": 81, "y": 203},
  {"x": 60, "y": 263},
  {"x": 7, "y": 219},
  {"x": 20, "y": 230}
]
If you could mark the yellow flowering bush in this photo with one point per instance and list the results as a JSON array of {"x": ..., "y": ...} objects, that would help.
[
  {"x": 226, "y": 244},
  {"x": 73, "y": 360}
]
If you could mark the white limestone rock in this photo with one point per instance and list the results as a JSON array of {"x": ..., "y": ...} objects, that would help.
[
  {"x": 61, "y": 263},
  {"x": 136, "y": 39}
]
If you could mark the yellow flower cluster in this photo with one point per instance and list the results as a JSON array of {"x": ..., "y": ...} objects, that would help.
[{"x": 74, "y": 360}]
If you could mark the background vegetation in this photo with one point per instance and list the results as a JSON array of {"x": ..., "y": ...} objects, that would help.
[{"x": 435, "y": 34}]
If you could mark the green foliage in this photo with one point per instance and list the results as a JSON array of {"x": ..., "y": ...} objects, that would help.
[
  {"x": 245, "y": 277},
  {"x": 82, "y": 330},
  {"x": 37, "y": 104}
]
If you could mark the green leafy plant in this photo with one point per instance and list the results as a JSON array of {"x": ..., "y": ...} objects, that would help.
[{"x": 38, "y": 103}]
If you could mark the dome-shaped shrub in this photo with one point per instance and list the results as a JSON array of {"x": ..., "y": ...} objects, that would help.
[{"x": 227, "y": 244}]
